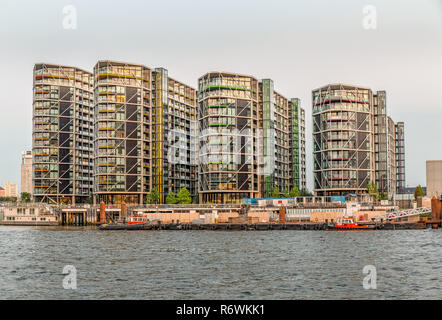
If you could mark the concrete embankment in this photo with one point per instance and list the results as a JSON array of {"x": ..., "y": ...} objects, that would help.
[{"x": 29, "y": 223}]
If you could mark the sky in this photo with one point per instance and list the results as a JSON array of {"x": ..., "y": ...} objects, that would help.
[{"x": 301, "y": 45}]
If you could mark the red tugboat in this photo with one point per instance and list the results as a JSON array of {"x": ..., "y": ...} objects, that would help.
[
  {"x": 137, "y": 219},
  {"x": 348, "y": 224},
  {"x": 135, "y": 222}
]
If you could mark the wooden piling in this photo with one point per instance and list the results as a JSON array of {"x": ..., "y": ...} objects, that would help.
[
  {"x": 123, "y": 210},
  {"x": 102, "y": 212}
]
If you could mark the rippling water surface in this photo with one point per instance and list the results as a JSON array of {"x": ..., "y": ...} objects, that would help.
[{"x": 219, "y": 265}]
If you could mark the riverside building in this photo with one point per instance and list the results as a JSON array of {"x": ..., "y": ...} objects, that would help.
[
  {"x": 62, "y": 134},
  {"x": 355, "y": 142},
  {"x": 145, "y": 123},
  {"x": 251, "y": 139},
  {"x": 26, "y": 172}
]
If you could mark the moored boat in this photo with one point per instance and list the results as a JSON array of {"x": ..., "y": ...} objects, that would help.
[
  {"x": 135, "y": 222},
  {"x": 348, "y": 224}
]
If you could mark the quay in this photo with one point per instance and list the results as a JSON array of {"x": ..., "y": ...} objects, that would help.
[
  {"x": 313, "y": 213},
  {"x": 277, "y": 226}
]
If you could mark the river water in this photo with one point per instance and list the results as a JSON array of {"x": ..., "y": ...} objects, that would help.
[{"x": 219, "y": 264}]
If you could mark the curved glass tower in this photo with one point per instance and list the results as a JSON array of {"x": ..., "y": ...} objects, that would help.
[
  {"x": 62, "y": 134},
  {"x": 145, "y": 124},
  {"x": 228, "y": 117},
  {"x": 343, "y": 144},
  {"x": 252, "y": 139},
  {"x": 123, "y": 162}
]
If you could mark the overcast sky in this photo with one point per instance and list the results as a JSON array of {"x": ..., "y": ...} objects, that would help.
[{"x": 301, "y": 45}]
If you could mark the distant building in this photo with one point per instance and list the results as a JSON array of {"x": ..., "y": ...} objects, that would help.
[
  {"x": 2, "y": 192},
  {"x": 11, "y": 190},
  {"x": 434, "y": 178},
  {"x": 26, "y": 172}
]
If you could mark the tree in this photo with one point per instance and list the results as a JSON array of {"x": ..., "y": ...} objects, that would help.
[
  {"x": 418, "y": 192},
  {"x": 305, "y": 193},
  {"x": 294, "y": 192},
  {"x": 153, "y": 197},
  {"x": 171, "y": 198},
  {"x": 383, "y": 196},
  {"x": 8, "y": 199},
  {"x": 90, "y": 199},
  {"x": 275, "y": 193},
  {"x": 25, "y": 197},
  {"x": 184, "y": 196},
  {"x": 285, "y": 193},
  {"x": 372, "y": 189}
]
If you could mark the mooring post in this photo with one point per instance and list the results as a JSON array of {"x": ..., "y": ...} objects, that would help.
[
  {"x": 282, "y": 215},
  {"x": 123, "y": 211},
  {"x": 102, "y": 212},
  {"x": 436, "y": 212}
]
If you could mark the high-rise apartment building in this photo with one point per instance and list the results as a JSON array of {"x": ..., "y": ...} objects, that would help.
[
  {"x": 400, "y": 157},
  {"x": 62, "y": 134},
  {"x": 250, "y": 139},
  {"x": 26, "y": 172},
  {"x": 301, "y": 165},
  {"x": 354, "y": 141},
  {"x": 145, "y": 125},
  {"x": 385, "y": 145}
]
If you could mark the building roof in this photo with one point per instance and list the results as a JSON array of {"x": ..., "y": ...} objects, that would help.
[{"x": 343, "y": 85}]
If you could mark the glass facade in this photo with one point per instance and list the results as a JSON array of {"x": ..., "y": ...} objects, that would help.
[
  {"x": 246, "y": 138},
  {"x": 141, "y": 117},
  {"x": 62, "y": 135},
  {"x": 342, "y": 139},
  {"x": 400, "y": 158},
  {"x": 123, "y": 135},
  {"x": 355, "y": 142},
  {"x": 228, "y": 154}
]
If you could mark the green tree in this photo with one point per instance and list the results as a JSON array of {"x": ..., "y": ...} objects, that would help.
[
  {"x": 383, "y": 196},
  {"x": 8, "y": 199},
  {"x": 275, "y": 193},
  {"x": 153, "y": 197},
  {"x": 90, "y": 199},
  {"x": 285, "y": 193},
  {"x": 25, "y": 197},
  {"x": 305, "y": 193},
  {"x": 294, "y": 192},
  {"x": 418, "y": 192},
  {"x": 171, "y": 198},
  {"x": 184, "y": 196},
  {"x": 372, "y": 189}
]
